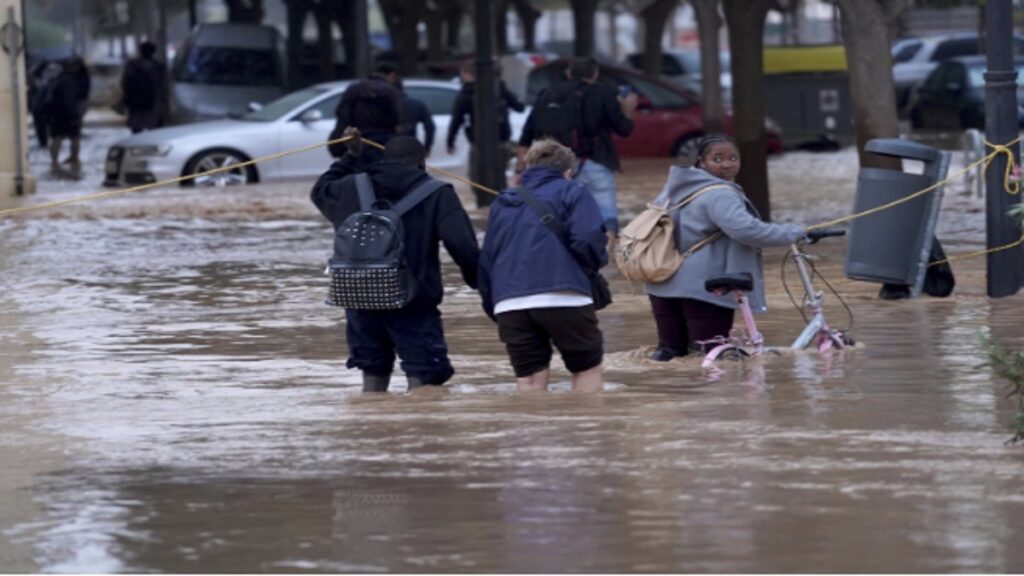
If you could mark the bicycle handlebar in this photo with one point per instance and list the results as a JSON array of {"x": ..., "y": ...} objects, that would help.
[{"x": 814, "y": 235}]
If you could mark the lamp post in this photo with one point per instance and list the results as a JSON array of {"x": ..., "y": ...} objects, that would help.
[
  {"x": 485, "y": 123},
  {"x": 1005, "y": 268}
]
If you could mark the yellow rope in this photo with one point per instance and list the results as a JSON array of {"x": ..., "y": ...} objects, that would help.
[
  {"x": 447, "y": 174},
  {"x": 986, "y": 160},
  {"x": 1011, "y": 186},
  {"x": 152, "y": 185}
]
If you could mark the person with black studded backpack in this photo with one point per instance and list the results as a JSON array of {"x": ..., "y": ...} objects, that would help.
[{"x": 389, "y": 222}]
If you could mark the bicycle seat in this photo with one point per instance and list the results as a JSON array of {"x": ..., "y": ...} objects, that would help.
[{"x": 730, "y": 282}]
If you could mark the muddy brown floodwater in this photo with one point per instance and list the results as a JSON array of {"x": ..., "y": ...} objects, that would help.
[{"x": 173, "y": 398}]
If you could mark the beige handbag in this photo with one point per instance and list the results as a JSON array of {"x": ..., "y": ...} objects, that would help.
[{"x": 647, "y": 251}]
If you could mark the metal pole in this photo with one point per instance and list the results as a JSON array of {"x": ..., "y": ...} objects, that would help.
[
  {"x": 1005, "y": 268},
  {"x": 361, "y": 30},
  {"x": 12, "y": 45},
  {"x": 485, "y": 122}
]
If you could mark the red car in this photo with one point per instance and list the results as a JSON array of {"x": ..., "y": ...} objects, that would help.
[{"x": 667, "y": 121}]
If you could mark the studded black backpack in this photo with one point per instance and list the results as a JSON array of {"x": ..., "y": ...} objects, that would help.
[{"x": 368, "y": 269}]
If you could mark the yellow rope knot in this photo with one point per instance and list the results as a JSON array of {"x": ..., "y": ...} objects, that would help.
[{"x": 1011, "y": 178}]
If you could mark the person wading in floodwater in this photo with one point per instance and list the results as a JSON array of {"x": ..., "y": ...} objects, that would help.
[
  {"x": 414, "y": 331},
  {"x": 533, "y": 284},
  {"x": 684, "y": 311}
]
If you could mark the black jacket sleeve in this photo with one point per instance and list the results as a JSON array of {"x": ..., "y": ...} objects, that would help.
[
  {"x": 510, "y": 99},
  {"x": 460, "y": 109},
  {"x": 611, "y": 111},
  {"x": 429, "y": 129},
  {"x": 328, "y": 194},
  {"x": 456, "y": 231}
]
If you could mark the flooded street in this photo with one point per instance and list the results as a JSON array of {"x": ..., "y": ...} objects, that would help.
[{"x": 173, "y": 398}]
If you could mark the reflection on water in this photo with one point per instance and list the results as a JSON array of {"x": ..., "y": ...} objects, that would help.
[{"x": 174, "y": 399}]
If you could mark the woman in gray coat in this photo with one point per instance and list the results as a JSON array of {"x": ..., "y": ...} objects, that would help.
[{"x": 684, "y": 311}]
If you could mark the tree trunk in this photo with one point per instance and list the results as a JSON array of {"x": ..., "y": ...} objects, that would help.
[
  {"x": 296, "y": 10},
  {"x": 528, "y": 16},
  {"x": 403, "y": 19},
  {"x": 583, "y": 12},
  {"x": 454, "y": 12},
  {"x": 708, "y": 23},
  {"x": 500, "y": 26},
  {"x": 435, "y": 33},
  {"x": 865, "y": 25},
  {"x": 745, "y": 20},
  {"x": 655, "y": 15},
  {"x": 245, "y": 11}
]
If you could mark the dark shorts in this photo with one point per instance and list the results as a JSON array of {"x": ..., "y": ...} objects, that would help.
[
  {"x": 528, "y": 335},
  {"x": 417, "y": 335}
]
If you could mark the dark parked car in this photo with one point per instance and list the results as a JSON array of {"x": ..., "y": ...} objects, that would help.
[
  {"x": 953, "y": 95},
  {"x": 668, "y": 118},
  {"x": 914, "y": 58}
]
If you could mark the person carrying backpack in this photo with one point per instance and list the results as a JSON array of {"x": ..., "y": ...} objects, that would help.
[
  {"x": 534, "y": 274},
  {"x": 583, "y": 114},
  {"x": 375, "y": 328},
  {"x": 144, "y": 90}
]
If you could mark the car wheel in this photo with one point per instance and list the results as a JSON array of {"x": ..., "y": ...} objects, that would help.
[
  {"x": 686, "y": 148},
  {"x": 219, "y": 158}
]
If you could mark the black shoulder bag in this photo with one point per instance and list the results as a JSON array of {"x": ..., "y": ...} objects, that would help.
[{"x": 600, "y": 292}]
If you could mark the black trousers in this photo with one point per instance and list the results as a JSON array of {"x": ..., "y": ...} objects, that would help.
[
  {"x": 415, "y": 334},
  {"x": 682, "y": 322}
]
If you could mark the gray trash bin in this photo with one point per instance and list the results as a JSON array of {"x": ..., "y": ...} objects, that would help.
[{"x": 892, "y": 246}]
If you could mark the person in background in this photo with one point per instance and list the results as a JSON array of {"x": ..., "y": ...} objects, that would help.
[
  {"x": 373, "y": 107},
  {"x": 40, "y": 93},
  {"x": 686, "y": 313},
  {"x": 414, "y": 332},
  {"x": 414, "y": 112},
  {"x": 533, "y": 284},
  {"x": 602, "y": 112},
  {"x": 66, "y": 109},
  {"x": 144, "y": 89},
  {"x": 462, "y": 115}
]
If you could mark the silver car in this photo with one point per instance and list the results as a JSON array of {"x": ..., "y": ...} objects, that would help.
[{"x": 299, "y": 119}]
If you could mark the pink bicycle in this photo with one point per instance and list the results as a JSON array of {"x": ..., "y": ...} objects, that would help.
[{"x": 747, "y": 340}]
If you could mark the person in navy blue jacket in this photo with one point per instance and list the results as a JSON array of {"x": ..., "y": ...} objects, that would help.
[{"x": 534, "y": 285}]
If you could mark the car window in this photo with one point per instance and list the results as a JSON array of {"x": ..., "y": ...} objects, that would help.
[
  {"x": 958, "y": 47},
  {"x": 672, "y": 66},
  {"x": 285, "y": 104},
  {"x": 935, "y": 80},
  {"x": 905, "y": 52},
  {"x": 660, "y": 96},
  {"x": 438, "y": 100},
  {"x": 327, "y": 106},
  {"x": 228, "y": 66},
  {"x": 976, "y": 75}
]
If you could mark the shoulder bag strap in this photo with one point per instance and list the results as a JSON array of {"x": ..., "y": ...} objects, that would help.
[
  {"x": 682, "y": 203},
  {"x": 418, "y": 194},
  {"x": 364, "y": 187},
  {"x": 547, "y": 218},
  {"x": 552, "y": 223}
]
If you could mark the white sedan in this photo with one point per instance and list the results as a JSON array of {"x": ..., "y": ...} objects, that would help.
[{"x": 296, "y": 120}]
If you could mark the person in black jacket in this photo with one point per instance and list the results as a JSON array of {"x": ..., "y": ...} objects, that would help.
[
  {"x": 66, "y": 107},
  {"x": 602, "y": 113},
  {"x": 462, "y": 115},
  {"x": 413, "y": 112},
  {"x": 144, "y": 89},
  {"x": 415, "y": 332},
  {"x": 374, "y": 108}
]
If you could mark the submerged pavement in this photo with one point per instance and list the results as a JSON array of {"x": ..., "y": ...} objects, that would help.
[{"x": 173, "y": 398}]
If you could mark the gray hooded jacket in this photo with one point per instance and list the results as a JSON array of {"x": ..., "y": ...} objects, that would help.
[{"x": 739, "y": 250}]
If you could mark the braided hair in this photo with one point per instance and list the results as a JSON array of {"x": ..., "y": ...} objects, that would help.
[{"x": 706, "y": 142}]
